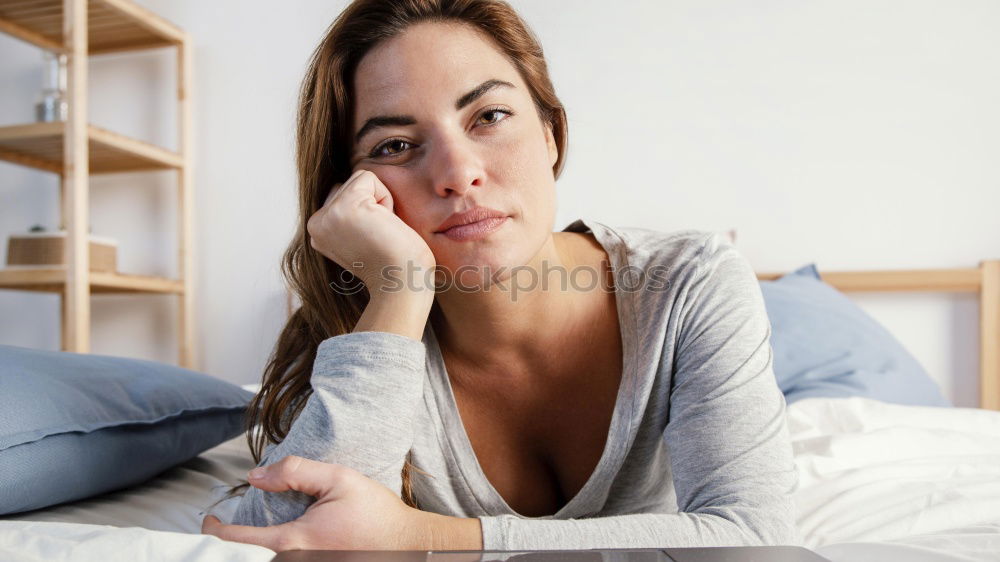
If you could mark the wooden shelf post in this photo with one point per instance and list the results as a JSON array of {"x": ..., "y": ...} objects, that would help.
[
  {"x": 185, "y": 200},
  {"x": 75, "y": 181}
]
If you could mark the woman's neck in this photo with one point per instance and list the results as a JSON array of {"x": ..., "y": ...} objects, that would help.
[{"x": 503, "y": 329}]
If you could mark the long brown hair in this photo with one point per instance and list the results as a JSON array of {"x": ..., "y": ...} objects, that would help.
[{"x": 322, "y": 158}]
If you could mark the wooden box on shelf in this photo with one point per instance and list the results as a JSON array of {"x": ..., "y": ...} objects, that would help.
[{"x": 49, "y": 249}]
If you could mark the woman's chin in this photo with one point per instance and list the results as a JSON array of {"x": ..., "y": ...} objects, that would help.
[{"x": 475, "y": 270}]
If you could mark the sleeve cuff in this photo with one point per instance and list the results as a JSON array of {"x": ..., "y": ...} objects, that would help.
[
  {"x": 495, "y": 531},
  {"x": 381, "y": 346}
]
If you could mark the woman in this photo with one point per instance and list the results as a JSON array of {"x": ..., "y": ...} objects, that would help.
[{"x": 474, "y": 390}]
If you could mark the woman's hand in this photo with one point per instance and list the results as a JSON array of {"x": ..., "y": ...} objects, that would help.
[
  {"x": 357, "y": 229},
  {"x": 351, "y": 512}
]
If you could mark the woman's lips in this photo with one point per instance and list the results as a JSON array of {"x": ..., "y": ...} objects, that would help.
[{"x": 475, "y": 230}]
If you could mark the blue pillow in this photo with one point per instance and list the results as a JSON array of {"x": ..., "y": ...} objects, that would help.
[
  {"x": 75, "y": 425},
  {"x": 825, "y": 345}
]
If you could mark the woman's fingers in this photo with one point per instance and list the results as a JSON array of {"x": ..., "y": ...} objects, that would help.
[
  {"x": 317, "y": 479},
  {"x": 333, "y": 191},
  {"x": 367, "y": 189},
  {"x": 353, "y": 227},
  {"x": 381, "y": 193},
  {"x": 336, "y": 187},
  {"x": 276, "y": 537}
]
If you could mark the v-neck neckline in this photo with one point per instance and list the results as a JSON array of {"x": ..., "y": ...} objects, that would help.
[{"x": 590, "y": 498}]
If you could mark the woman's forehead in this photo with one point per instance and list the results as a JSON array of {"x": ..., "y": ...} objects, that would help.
[{"x": 431, "y": 58}]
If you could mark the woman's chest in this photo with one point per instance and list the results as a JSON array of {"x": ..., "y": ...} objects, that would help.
[
  {"x": 538, "y": 454},
  {"x": 636, "y": 477}
]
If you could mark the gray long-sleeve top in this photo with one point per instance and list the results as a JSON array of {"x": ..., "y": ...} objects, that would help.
[{"x": 698, "y": 453}]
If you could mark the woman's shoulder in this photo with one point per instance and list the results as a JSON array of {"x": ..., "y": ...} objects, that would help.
[
  {"x": 683, "y": 256},
  {"x": 674, "y": 248}
]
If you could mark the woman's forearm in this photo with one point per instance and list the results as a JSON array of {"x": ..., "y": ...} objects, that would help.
[{"x": 367, "y": 387}]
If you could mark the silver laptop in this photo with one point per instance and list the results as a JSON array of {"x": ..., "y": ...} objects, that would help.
[{"x": 701, "y": 554}]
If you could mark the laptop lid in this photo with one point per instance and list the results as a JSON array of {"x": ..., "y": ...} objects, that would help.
[{"x": 699, "y": 554}]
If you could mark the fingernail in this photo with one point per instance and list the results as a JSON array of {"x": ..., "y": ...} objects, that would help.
[{"x": 257, "y": 473}]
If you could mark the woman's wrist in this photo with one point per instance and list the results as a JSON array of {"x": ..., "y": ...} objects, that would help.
[
  {"x": 443, "y": 532},
  {"x": 403, "y": 313}
]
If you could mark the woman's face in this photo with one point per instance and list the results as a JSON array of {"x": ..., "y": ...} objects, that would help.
[{"x": 459, "y": 144}]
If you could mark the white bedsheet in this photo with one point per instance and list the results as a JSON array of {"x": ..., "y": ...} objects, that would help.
[
  {"x": 877, "y": 482},
  {"x": 881, "y": 481}
]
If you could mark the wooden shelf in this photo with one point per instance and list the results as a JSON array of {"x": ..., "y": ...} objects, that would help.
[
  {"x": 40, "y": 145},
  {"x": 52, "y": 279},
  {"x": 78, "y": 29},
  {"x": 112, "y": 25}
]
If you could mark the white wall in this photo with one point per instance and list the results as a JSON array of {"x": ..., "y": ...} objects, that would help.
[{"x": 858, "y": 135}]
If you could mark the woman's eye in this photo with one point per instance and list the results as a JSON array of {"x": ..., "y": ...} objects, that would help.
[
  {"x": 495, "y": 111},
  {"x": 397, "y": 146},
  {"x": 394, "y": 143}
]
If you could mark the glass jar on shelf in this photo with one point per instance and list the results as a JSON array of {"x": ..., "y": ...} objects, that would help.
[{"x": 51, "y": 104}]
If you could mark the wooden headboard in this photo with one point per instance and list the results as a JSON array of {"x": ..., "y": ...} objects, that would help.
[{"x": 984, "y": 280}]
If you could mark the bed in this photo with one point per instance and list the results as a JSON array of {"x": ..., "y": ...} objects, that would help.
[{"x": 877, "y": 480}]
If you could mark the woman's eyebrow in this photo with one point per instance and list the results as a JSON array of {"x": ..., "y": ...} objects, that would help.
[{"x": 403, "y": 120}]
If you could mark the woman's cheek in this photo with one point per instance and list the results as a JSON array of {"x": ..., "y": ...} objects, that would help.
[
  {"x": 394, "y": 177},
  {"x": 406, "y": 199},
  {"x": 526, "y": 149},
  {"x": 518, "y": 164}
]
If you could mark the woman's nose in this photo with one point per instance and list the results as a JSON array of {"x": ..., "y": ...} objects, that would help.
[{"x": 456, "y": 166}]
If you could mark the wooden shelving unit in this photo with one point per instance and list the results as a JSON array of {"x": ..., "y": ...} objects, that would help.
[{"x": 76, "y": 149}]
